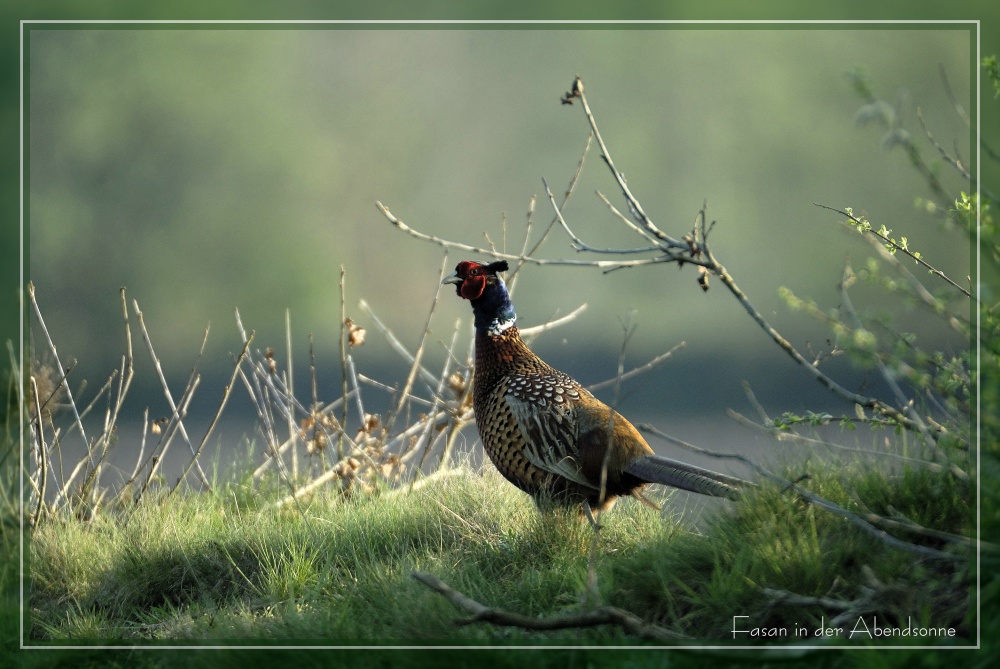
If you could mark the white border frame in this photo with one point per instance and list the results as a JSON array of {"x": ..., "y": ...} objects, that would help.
[{"x": 501, "y": 22}]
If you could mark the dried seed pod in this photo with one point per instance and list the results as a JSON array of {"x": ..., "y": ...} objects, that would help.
[{"x": 355, "y": 333}]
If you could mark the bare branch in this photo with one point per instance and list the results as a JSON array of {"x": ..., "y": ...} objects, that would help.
[
  {"x": 530, "y": 333},
  {"x": 566, "y": 195},
  {"x": 343, "y": 365},
  {"x": 623, "y": 218},
  {"x": 222, "y": 405},
  {"x": 63, "y": 370},
  {"x": 793, "y": 599},
  {"x": 166, "y": 388},
  {"x": 290, "y": 384},
  {"x": 577, "y": 92},
  {"x": 605, "y": 615},
  {"x": 955, "y": 162},
  {"x": 867, "y": 402},
  {"x": 901, "y": 397},
  {"x": 396, "y": 345},
  {"x": 635, "y": 371},
  {"x": 813, "y": 499},
  {"x": 605, "y": 265},
  {"x": 41, "y": 457},
  {"x": 418, "y": 356},
  {"x": 959, "y": 109},
  {"x": 176, "y": 422},
  {"x": 578, "y": 243}
]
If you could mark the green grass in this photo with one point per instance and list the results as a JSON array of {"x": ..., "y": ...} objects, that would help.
[{"x": 228, "y": 565}]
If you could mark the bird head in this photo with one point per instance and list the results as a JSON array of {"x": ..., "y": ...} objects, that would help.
[
  {"x": 479, "y": 283},
  {"x": 471, "y": 278}
]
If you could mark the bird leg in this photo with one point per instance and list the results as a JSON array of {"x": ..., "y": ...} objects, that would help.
[
  {"x": 587, "y": 511},
  {"x": 645, "y": 500}
]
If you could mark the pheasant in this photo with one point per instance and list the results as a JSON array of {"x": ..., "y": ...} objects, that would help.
[{"x": 547, "y": 434}]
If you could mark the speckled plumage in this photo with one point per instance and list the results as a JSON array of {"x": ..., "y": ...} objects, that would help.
[{"x": 544, "y": 432}]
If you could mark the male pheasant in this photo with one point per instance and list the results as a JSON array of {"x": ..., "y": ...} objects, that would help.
[{"x": 547, "y": 434}]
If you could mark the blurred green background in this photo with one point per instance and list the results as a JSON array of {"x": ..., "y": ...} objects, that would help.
[{"x": 209, "y": 169}]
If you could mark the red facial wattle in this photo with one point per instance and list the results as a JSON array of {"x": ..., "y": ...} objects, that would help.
[{"x": 473, "y": 280}]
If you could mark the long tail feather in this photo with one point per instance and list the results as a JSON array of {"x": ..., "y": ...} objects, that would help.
[{"x": 658, "y": 469}]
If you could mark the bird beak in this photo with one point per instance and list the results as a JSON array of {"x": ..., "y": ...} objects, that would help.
[{"x": 452, "y": 278}]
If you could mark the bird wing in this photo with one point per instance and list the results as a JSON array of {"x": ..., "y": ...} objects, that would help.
[{"x": 542, "y": 404}]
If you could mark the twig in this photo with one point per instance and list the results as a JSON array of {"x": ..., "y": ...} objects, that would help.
[
  {"x": 959, "y": 109},
  {"x": 454, "y": 430},
  {"x": 314, "y": 406},
  {"x": 566, "y": 195},
  {"x": 176, "y": 423},
  {"x": 579, "y": 244},
  {"x": 904, "y": 401},
  {"x": 624, "y": 219},
  {"x": 63, "y": 370},
  {"x": 421, "y": 346},
  {"x": 58, "y": 384},
  {"x": 908, "y": 525},
  {"x": 605, "y": 615},
  {"x": 653, "y": 232},
  {"x": 782, "y": 435},
  {"x": 222, "y": 405},
  {"x": 430, "y": 479},
  {"x": 166, "y": 388},
  {"x": 866, "y": 228},
  {"x": 105, "y": 388},
  {"x": 352, "y": 375},
  {"x": 512, "y": 276},
  {"x": 867, "y": 402},
  {"x": 429, "y": 444},
  {"x": 394, "y": 342},
  {"x": 663, "y": 357},
  {"x": 606, "y": 265},
  {"x": 955, "y": 162},
  {"x": 758, "y": 407},
  {"x": 290, "y": 384},
  {"x": 438, "y": 421},
  {"x": 392, "y": 390},
  {"x": 42, "y": 459},
  {"x": 957, "y": 323},
  {"x": 529, "y": 334},
  {"x": 343, "y": 366},
  {"x": 793, "y": 599},
  {"x": 287, "y": 404},
  {"x": 127, "y": 373},
  {"x": 142, "y": 445},
  {"x": 438, "y": 392},
  {"x": 256, "y": 393},
  {"x": 331, "y": 473}
]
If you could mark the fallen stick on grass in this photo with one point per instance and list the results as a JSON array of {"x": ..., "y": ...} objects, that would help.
[{"x": 605, "y": 615}]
